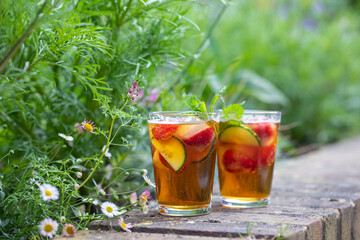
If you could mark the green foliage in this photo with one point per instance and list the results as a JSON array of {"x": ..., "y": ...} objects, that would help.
[
  {"x": 236, "y": 108},
  {"x": 195, "y": 104},
  {"x": 60, "y": 62},
  {"x": 299, "y": 57}
]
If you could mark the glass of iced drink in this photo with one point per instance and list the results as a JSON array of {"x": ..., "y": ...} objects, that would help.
[
  {"x": 246, "y": 156},
  {"x": 183, "y": 146}
]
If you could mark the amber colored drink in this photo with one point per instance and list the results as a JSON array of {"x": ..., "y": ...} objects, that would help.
[
  {"x": 183, "y": 153},
  {"x": 246, "y": 156}
]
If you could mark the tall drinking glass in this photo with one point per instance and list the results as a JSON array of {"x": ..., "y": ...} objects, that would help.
[
  {"x": 183, "y": 146},
  {"x": 246, "y": 155}
]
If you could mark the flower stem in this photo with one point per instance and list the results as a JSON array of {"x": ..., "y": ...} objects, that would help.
[{"x": 101, "y": 157}]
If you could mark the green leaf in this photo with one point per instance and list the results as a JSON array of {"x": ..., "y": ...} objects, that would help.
[
  {"x": 195, "y": 104},
  {"x": 216, "y": 97},
  {"x": 201, "y": 108},
  {"x": 236, "y": 109}
]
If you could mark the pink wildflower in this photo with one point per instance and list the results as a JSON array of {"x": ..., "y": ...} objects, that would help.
[
  {"x": 79, "y": 128},
  {"x": 125, "y": 226},
  {"x": 88, "y": 125},
  {"x": 144, "y": 197},
  {"x": 133, "y": 198},
  {"x": 134, "y": 92},
  {"x": 68, "y": 230}
]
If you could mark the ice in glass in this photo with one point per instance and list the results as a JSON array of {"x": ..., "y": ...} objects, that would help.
[
  {"x": 183, "y": 149},
  {"x": 246, "y": 155}
]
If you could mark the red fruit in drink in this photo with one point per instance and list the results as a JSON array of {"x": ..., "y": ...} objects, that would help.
[
  {"x": 265, "y": 131},
  {"x": 236, "y": 162},
  {"x": 267, "y": 155},
  {"x": 164, "y": 131},
  {"x": 200, "y": 135}
]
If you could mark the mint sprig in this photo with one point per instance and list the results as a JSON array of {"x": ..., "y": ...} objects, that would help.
[
  {"x": 195, "y": 104},
  {"x": 235, "y": 109},
  {"x": 199, "y": 106},
  {"x": 218, "y": 95}
]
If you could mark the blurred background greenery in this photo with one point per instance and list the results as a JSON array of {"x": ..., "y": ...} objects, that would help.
[{"x": 299, "y": 57}]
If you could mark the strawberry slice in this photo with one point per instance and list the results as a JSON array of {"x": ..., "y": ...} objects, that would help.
[
  {"x": 164, "y": 131},
  {"x": 236, "y": 162},
  {"x": 265, "y": 131},
  {"x": 267, "y": 155},
  {"x": 197, "y": 135}
]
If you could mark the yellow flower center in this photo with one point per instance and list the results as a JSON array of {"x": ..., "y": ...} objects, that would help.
[
  {"x": 88, "y": 127},
  {"x": 48, "y": 228},
  {"x": 70, "y": 230},
  {"x": 123, "y": 225},
  {"x": 144, "y": 198},
  {"x": 48, "y": 193},
  {"x": 109, "y": 209}
]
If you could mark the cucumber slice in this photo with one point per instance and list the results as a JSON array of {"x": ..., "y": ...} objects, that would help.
[
  {"x": 239, "y": 134},
  {"x": 173, "y": 151},
  {"x": 208, "y": 154}
]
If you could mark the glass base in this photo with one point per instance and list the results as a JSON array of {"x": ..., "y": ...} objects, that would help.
[
  {"x": 238, "y": 203},
  {"x": 171, "y": 211}
]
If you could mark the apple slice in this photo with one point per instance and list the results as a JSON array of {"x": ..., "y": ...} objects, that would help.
[
  {"x": 239, "y": 134},
  {"x": 205, "y": 153},
  {"x": 172, "y": 151},
  {"x": 197, "y": 134}
]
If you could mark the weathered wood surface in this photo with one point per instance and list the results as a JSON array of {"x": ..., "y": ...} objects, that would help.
[{"x": 315, "y": 196}]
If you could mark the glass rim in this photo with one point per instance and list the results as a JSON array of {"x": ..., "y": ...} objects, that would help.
[
  {"x": 181, "y": 113},
  {"x": 252, "y": 111},
  {"x": 162, "y": 115}
]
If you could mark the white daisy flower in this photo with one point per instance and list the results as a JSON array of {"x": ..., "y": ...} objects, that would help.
[
  {"x": 107, "y": 153},
  {"x": 68, "y": 230},
  {"x": 109, "y": 209},
  {"x": 148, "y": 181},
  {"x": 67, "y": 138},
  {"x": 91, "y": 200},
  {"x": 48, "y": 227},
  {"x": 49, "y": 192}
]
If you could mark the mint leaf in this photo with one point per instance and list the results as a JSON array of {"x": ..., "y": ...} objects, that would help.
[
  {"x": 195, "y": 104},
  {"x": 218, "y": 95},
  {"x": 236, "y": 109}
]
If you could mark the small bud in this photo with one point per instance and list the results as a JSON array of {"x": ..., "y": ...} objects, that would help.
[
  {"x": 79, "y": 174},
  {"x": 144, "y": 172},
  {"x": 145, "y": 209},
  {"x": 63, "y": 219},
  {"x": 102, "y": 192},
  {"x": 77, "y": 186}
]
